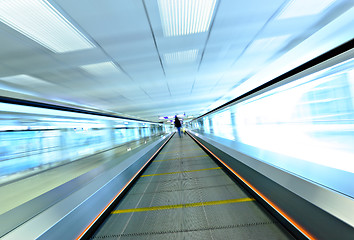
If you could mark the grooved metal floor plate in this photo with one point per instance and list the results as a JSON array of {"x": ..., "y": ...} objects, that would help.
[{"x": 190, "y": 198}]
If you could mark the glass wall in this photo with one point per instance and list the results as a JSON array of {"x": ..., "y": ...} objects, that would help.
[
  {"x": 305, "y": 127},
  {"x": 32, "y": 142}
]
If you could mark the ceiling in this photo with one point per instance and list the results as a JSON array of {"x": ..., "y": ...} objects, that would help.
[{"x": 145, "y": 72}]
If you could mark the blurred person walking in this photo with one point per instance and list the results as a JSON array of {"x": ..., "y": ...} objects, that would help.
[{"x": 178, "y": 125}]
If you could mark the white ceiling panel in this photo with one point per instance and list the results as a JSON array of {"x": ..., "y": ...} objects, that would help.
[
  {"x": 233, "y": 32},
  {"x": 14, "y": 44},
  {"x": 123, "y": 31},
  {"x": 154, "y": 73},
  {"x": 79, "y": 58}
]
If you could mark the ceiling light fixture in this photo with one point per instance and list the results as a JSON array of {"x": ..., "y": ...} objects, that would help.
[
  {"x": 41, "y": 22},
  {"x": 181, "y": 57},
  {"x": 183, "y": 17},
  {"x": 300, "y": 8},
  {"x": 104, "y": 68}
]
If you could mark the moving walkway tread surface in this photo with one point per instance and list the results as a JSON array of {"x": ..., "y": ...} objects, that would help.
[{"x": 184, "y": 194}]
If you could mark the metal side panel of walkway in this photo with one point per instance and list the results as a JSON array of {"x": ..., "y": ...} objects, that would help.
[{"x": 184, "y": 194}]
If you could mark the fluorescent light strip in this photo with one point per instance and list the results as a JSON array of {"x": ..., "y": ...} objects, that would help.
[
  {"x": 101, "y": 68},
  {"x": 181, "y": 57},
  {"x": 41, "y": 22},
  {"x": 183, "y": 17},
  {"x": 300, "y": 8},
  {"x": 24, "y": 80}
]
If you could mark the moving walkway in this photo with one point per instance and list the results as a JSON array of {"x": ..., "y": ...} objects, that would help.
[
  {"x": 185, "y": 194},
  {"x": 174, "y": 188}
]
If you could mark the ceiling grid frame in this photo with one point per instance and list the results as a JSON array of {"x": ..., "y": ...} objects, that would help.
[
  {"x": 155, "y": 43},
  {"x": 252, "y": 40},
  {"x": 110, "y": 58},
  {"x": 130, "y": 39}
]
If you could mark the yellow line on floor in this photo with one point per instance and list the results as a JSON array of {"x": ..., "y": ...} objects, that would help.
[
  {"x": 180, "y": 158},
  {"x": 199, "y": 204},
  {"x": 188, "y": 150},
  {"x": 158, "y": 174}
]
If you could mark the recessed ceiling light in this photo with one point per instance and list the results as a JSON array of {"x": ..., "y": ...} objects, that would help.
[
  {"x": 181, "y": 57},
  {"x": 183, "y": 17},
  {"x": 41, "y": 22},
  {"x": 24, "y": 80},
  {"x": 300, "y": 8},
  {"x": 104, "y": 68}
]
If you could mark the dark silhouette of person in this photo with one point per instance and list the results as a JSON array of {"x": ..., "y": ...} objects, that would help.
[{"x": 178, "y": 125}]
